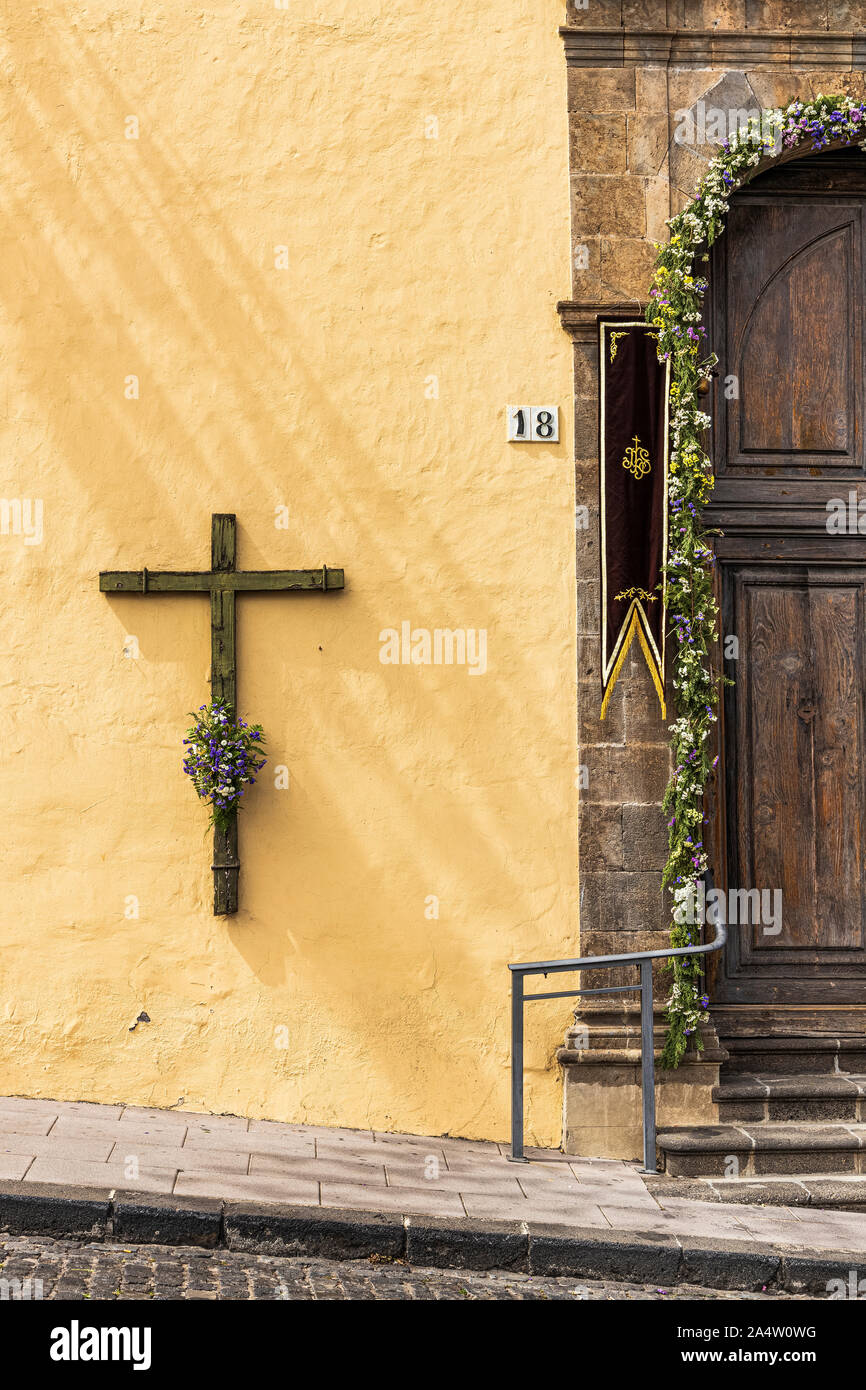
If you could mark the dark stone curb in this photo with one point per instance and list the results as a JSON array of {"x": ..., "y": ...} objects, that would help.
[
  {"x": 80, "y": 1213},
  {"x": 436, "y": 1241},
  {"x": 142, "y": 1219},
  {"x": 274, "y": 1229}
]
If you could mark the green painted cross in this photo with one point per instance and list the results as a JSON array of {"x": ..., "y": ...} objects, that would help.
[{"x": 222, "y": 582}]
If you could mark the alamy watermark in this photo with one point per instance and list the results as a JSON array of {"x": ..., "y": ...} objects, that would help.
[
  {"x": 852, "y": 1287},
  {"x": 846, "y": 516},
  {"x": 441, "y": 646},
  {"x": 22, "y": 516},
  {"x": 711, "y": 125},
  {"x": 734, "y": 906},
  {"x": 18, "y": 1290},
  {"x": 77, "y": 1343}
]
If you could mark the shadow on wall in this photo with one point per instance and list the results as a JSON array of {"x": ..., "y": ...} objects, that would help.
[{"x": 174, "y": 259}]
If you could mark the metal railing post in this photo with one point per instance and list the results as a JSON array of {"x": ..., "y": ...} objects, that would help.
[
  {"x": 517, "y": 1155},
  {"x": 648, "y": 1078},
  {"x": 576, "y": 963}
]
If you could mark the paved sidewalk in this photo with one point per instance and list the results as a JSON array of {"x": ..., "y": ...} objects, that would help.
[{"x": 125, "y": 1148}]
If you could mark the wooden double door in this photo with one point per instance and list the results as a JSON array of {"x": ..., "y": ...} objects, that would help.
[{"x": 788, "y": 817}]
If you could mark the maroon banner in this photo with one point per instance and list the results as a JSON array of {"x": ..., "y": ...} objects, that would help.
[{"x": 633, "y": 485}]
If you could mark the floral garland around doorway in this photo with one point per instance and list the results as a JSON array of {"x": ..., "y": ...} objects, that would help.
[{"x": 676, "y": 298}]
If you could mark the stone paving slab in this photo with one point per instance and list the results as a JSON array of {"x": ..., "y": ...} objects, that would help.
[
  {"x": 260, "y": 1187},
  {"x": 26, "y": 1105},
  {"x": 178, "y": 1159},
  {"x": 227, "y": 1158},
  {"x": 317, "y": 1169},
  {"x": 495, "y": 1185},
  {"x": 287, "y": 1145},
  {"x": 145, "y": 1115},
  {"x": 410, "y": 1201},
  {"x": 787, "y": 1228},
  {"x": 91, "y": 1147},
  {"x": 694, "y": 1223},
  {"x": 483, "y": 1147},
  {"x": 495, "y": 1208},
  {"x": 600, "y": 1193},
  {"x": 85, "y": 1127},
  {"x": 186, "y": 1119},
  {"x": 81, "y": 1109},
  {"x": 17, "y": 1122},
  {"x": 75, "y": 1172},
  {"x": 14, "y": 1166}
]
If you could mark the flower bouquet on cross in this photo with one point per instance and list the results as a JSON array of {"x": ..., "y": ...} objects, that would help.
[{"x": 223, "y": 757}]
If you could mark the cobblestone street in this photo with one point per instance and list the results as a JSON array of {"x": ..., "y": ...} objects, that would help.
[{"x": 71, "y": 1269}]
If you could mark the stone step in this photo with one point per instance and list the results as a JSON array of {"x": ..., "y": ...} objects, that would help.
[
  {"x": 762, "y": 1148},
  {"x": 807, "y": 1097},
  {"x": 836, "y": 1193},
  {"x": 795, "y": 1055}
]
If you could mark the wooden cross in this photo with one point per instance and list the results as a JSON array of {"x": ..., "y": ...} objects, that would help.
[{"x": 222, "y": 582}]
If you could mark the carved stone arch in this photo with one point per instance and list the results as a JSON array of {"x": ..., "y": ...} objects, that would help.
[
  {"x": 689, "y": 158},
  {"x": 734, "y": 95}
]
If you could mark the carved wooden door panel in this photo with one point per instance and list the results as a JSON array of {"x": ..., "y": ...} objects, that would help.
[{"x": 787, "y": 324}]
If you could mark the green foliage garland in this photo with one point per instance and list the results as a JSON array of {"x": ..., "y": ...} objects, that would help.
[{"x": 675, "y": 304}]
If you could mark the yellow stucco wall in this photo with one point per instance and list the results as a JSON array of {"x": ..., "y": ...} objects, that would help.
[{"x": 331, "y": 998}]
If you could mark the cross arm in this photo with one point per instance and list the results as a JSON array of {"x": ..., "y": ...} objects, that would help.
[
  {"x": 280, "y": 580},
  {"x": 154, "y": 582},
  {"x": 203, "y": 582}
]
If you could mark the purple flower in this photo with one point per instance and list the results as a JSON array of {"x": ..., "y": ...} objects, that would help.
[{"x": 221, "y": 758}]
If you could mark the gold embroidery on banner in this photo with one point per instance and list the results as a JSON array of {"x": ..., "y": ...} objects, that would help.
[
  {"x": 636, "y": 592},
  {"x": 614, "y": 344},
  {"x": 636, "y": 460}
]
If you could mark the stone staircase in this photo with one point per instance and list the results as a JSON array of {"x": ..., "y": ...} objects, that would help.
[{"x": 783, "y": 1137}]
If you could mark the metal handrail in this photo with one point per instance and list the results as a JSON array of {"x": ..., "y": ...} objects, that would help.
[{"x": 553, "y": 967}]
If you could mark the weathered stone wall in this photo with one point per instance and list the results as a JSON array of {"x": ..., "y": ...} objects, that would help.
[
  {"x": 797, "y": 17},
  {"x": 634, "y": 70}
]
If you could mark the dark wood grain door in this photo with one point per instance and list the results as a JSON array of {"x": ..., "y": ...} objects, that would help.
[{"x": 790, "y": 808}]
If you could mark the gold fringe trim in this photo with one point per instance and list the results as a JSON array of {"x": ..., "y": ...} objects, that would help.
[
  {"x": 634, "y": 622},
  {"x": 650, "y": 661},
  {"x": 623, "y": 653}
]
